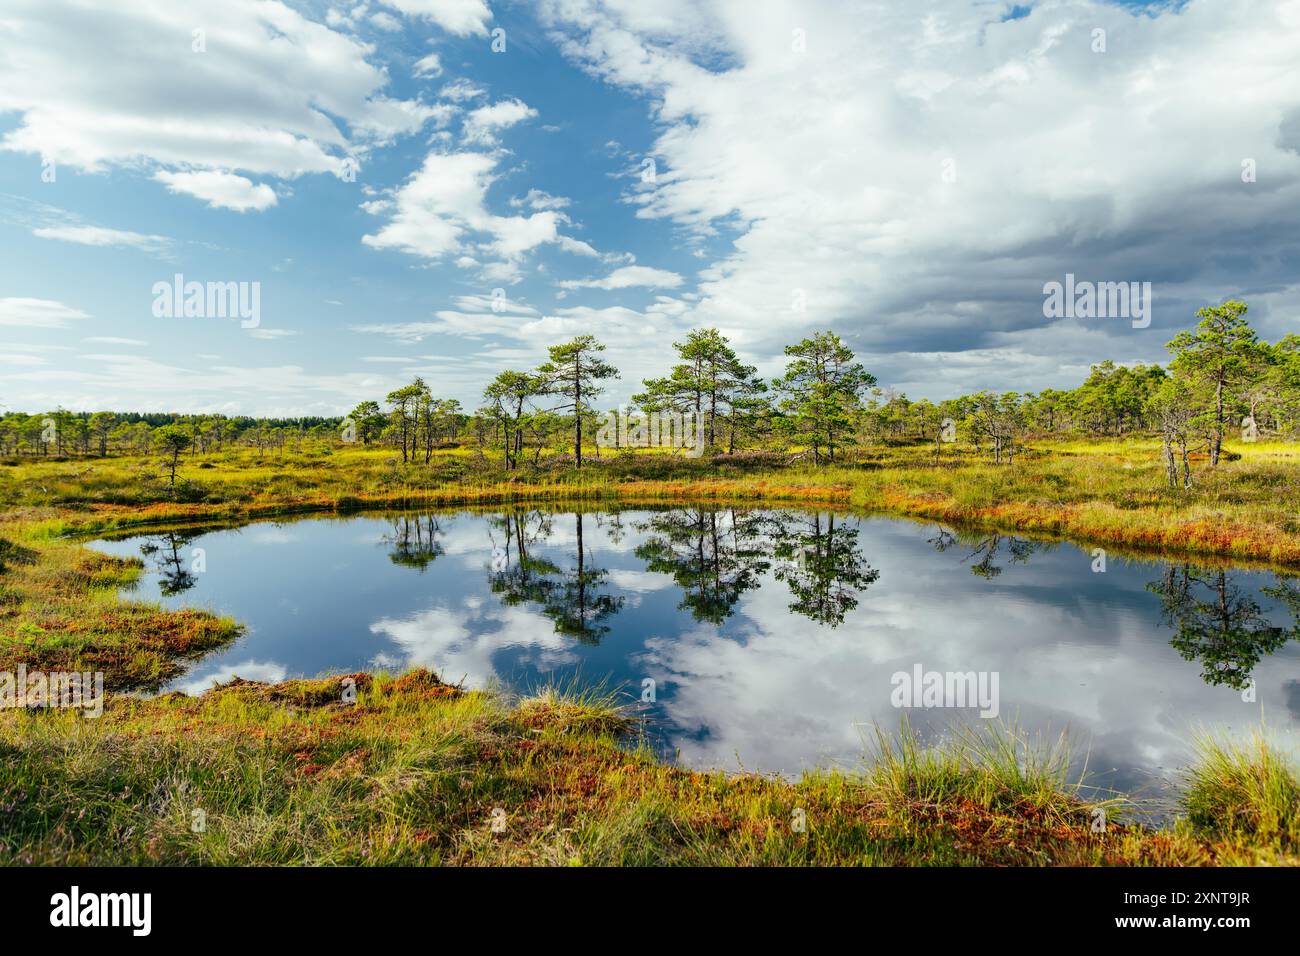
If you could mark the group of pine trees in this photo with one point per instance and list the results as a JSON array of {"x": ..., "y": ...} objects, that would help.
[
  {"x": 62, "y": 433},
  {"x": 1221, "y": 377},
  {"x": 813, "y": 404}
]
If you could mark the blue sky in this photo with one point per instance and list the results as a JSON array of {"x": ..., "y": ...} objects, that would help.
[{"x": 799, "y": 152}]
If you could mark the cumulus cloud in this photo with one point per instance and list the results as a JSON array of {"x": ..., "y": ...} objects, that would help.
[
  {"x": 539, "y": 199},
  {"x": 220, "y": 190},
  {"x": 462, "y": 90},
  {"x": 912, "y": 178},
  {"x": 459, "y": 17},
  {"x": 427, "y": 66},
  {"x": 386, "y": 22},
  {"x": 194, "y": 85},
  {"x": 628, "y": 277},
  {"x": 482, "y": 125},
  {"x": 441, "y": 212}
]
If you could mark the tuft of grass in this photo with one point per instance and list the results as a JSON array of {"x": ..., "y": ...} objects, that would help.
[
  {"x": 1245, "y": 793},
  {"x": 420, "y": 772},
  {"x": 997, "y": 766},
  {"x": 573, "y": 705}
]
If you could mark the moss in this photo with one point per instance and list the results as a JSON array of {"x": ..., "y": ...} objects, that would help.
[{"x": 420, "y": 772}]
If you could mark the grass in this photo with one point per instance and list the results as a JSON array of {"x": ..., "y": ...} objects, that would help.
[
  {"x": 1106, "y": 492},
  {"x": 60, "y": 611},
  {"x": 1244, "y": 793},
  {"x": 419, "y": 772},
  {"x": 413, "y": 772}
]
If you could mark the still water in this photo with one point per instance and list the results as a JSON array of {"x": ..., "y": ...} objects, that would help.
[{"x": 772, "y": 638}]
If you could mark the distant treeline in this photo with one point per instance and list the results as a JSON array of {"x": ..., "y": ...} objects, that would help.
[
  {"x": 1221, "y": 378},
  {"x": 61, "y": 432}
]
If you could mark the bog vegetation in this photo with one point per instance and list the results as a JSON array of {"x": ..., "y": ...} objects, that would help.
[
  {"x": 1222, "y": 381},
  {"x": 1196, "y": 455}
]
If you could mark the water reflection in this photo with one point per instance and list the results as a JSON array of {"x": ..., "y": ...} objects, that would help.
[
  {"x": 824, "y": 568},
  {"x": 772, "y": 635},
  {"x": 1220, "y": 623},
  {"x": 993, "y": 551},
  {"x": 174, "y": 569},
  {"x": 574, "y": 598},
  {"x": 415, "y": 541},
  {"x": 713, "y": 556}
]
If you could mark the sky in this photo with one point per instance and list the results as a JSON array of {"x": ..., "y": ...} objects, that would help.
[{"x": 444, "y": 188}]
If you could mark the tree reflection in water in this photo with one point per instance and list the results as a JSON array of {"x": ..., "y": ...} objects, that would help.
[
  {"x": 713, "y": 556},
  {"x": 574, "y": 599},
  {"x": 175, "y": 570},
  {"x": 716, "y": 555},
  {"x": 1216, "y": 620},
  {"x": 821, "y": 564},
  {"x": 1221, "y": 624},
  {"x": 415, "y": 540},
  {"x": 988, "y": 548}
]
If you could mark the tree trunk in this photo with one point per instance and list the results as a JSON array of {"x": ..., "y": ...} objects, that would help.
[
  {"x": 1217, "y": 444},
  {"x": 577, "y": 416}
]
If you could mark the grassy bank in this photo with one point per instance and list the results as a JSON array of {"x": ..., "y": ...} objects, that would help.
[
  {"x": 60, "y": 611},
  {"x": 414, "y": 771},
  {"x": 419, "y": 772},
  {"x": 1109, "y": 493}
]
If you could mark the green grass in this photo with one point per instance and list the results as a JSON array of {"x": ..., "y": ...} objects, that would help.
[
  {"x": 60, "y": 610},
  {"x": 1109, "y": 492},
  {"x": 413, "y": 773},
  {"x": 416, "y": 772},
  {"x": 1246, "y": 794}
]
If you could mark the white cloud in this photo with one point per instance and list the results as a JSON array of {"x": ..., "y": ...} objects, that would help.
[
  {"x": 37, "y": 313},
  {"x": 220, "y": 190},
  {"x": 28, "y": 355},
  {"x": 113, "y": 340},
  {"x": 102, "y": 236},
  {"x": 628, "y": 277},
  {"x": 145, "y": 384},
  {"x": 438, "y": 204},
  {"x": 461, "y": 17},
  {"x": 826, "y": 168},
  {"x": 427, "y": 66},
  {"x": 461, "y": 90},
  {"x": 540, "y": 199},
  {"x": 482, "y": 124},
  {"x": 474, "y": 316},
  {"x": 271, "y": 334},
  {"x": 440, "y": 212},
  {"x": 273, "y": 93}
]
